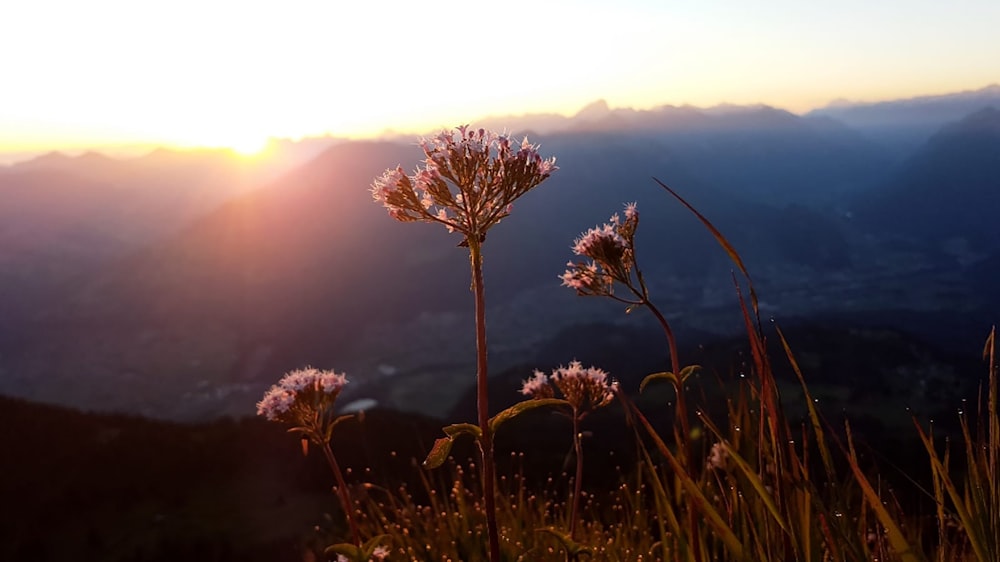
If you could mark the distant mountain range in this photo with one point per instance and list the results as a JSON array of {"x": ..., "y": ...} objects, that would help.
[
  {"x": 182, "y": 284},
  {"x": 899, "y": 126},
  {"x": 903, "y": 125},
  {"x": 948, "y": 191}
]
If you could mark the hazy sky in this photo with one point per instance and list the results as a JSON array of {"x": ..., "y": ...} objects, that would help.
[{"x": 205, "y": 72}]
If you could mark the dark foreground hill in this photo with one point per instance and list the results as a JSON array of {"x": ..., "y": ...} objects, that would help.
[{"x": 122, "y": 488}]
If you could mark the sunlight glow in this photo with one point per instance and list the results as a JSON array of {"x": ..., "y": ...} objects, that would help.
[{"x": 234, "y": 73}]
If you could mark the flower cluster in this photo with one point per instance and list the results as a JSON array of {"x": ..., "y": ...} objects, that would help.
[
  {"x": 611, "y": 249},
  {"x": 468, "y": 180},
  {"x": 300, "y": 395},
  {"x": 718, "y": 457},
  {"x": 584, "y": 388},
  {"x": 380, "y": 553}
]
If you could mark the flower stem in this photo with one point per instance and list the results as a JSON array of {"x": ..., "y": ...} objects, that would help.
[
  {"x": 682, "y": 415},
  {"x": 684, "y": 436},
  {"x": 578, "y": 481},
  {"x": 482, "y": 390},
  {"x": 345, "y": 498}
]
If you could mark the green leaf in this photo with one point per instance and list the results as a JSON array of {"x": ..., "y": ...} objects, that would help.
[
  {"x": 348, "y": 550},
  {"x": 572, "y": 547},
  {"x": 688, "y": 371},
  {"x": 378, "y": 540},
  {"x": 521, "y": 407},
  {"x": 329, "y": 428},
  {"x": 439, "y": 452},
  {"x": 457, "y": 429},
  {"x": 665, "y": 375},
  {"x": 371, "y": 544}
]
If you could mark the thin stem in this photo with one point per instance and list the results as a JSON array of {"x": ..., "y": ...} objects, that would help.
[
  {"x": 482, "y": 389},
  {"x": 643, "y": 295},
  {"x": 578, "y": 481},
  {"x": 682, "y": 414},
  {"x": 684, "y": 439},
  {"x": 345, "y": 498}
]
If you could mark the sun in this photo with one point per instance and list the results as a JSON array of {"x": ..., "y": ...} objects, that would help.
[{"x": 248, "y": 146}]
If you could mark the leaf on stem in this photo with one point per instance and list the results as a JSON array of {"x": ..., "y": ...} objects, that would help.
[
  {"x": 521, "y": 407},
  {"x": 442, "y": 447},
  {"x": 329, "y": 428},
  {"x": 665, "y": 375},
  {"x": 457, "y": 429},
  {"x": 439, "y": 452},
  {"x": 347, "y": 550}
]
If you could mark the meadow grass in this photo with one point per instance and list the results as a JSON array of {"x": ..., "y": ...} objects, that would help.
[
  {"x": 746, "y": 484},
  {"x": 801, "y": 493}
]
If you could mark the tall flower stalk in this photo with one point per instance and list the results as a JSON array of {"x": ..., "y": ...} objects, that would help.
[
  {"x": 468, "y": 182},
  {"x": 584, "y": 390},
  {"x": 304, "y": 398},
  {"x": 611, "y": 250}
]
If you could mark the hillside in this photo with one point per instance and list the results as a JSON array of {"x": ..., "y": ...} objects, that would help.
[
  {"x": 310, "y": 271},
  {"x": 946, "y": 195},
  {"x": 122, "y": 488},
  {"x": 902, "y": 126}
]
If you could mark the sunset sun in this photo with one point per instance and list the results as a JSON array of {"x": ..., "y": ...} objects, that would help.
[{"x": 248, "y": 146}]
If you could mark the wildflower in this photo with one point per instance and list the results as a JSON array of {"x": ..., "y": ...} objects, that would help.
[
  {"x": 630, "y": 211},
  {"x": 717, "y": 457},
  {"x": 468, "y": 181},
  {"x": 537, "y": 386},
  {"x": 584, "y": 388},
  {"x": 587, "y": 278},
  {"x": 378, "y": 554},
  {"x": 611, "y": 249},
  {"x": 305, "y": 398},
  {"x": 300, "y": 394}
]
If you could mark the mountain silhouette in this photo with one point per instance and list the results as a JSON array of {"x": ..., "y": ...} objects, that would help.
[
  {"x": 307, "y": 269},
  {"x": 175, "y": 285},
  {"x": 904, "y": 125},
  {"x": 949, "y": 190}
]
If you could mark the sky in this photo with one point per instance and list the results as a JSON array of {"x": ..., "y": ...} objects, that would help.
[{"x": 106, "y": 73}]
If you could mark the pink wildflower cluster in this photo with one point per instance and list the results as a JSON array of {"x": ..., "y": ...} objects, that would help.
[
  {"x": 299, "y": 393},
  {"x": 584, "y": 388},
  {"x": 611, "y": 249},
  {"x": 380, "y": 553},
  {"x": 718, "y": 457},
  {"x": 468, "y": 181}
]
